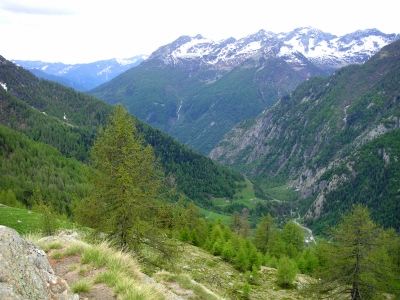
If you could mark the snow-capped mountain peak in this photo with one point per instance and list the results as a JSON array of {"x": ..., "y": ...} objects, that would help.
[{"x": 325, "y": 50}]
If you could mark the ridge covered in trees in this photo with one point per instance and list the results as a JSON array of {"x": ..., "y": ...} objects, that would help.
[{"x": 68, "y": 120}]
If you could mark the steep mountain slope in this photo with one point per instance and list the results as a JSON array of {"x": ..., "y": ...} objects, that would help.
[
  {"x": 68, "y": 120},
  {"x": 196, "y": 89},
  {"x": 61, "y": 80},
  {"x": 316, "y": 137},
  {"x": 82, "y": 77}
]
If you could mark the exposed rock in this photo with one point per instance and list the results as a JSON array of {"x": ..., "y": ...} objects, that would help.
[
  {"x": 186, "y": 268},
  {"x": 25, "y": 272}
]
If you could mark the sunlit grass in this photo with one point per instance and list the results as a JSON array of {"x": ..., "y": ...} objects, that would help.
[
  {"x": 82, "y": 286},
  {"x": 187, "y": 283}
]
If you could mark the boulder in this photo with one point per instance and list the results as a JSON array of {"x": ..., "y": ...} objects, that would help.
[{"x": 25, "y": 272}]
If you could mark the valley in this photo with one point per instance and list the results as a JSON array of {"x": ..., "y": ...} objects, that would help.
[{"x": 246, "y": 167}]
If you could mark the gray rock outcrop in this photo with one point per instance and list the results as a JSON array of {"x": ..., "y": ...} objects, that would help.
[{"x": 25, "y": 272}]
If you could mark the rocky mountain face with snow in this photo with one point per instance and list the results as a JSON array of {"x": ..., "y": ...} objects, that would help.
[
  {"x": 81, "y": 77},
  {"x": 197, "y": 89},
  {"x": 335, "y": 140},
  {"x": 324, "y": 50}
]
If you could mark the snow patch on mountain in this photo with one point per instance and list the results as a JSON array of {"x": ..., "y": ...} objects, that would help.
[
  {"x": 106, "y": 71},
  {"x": 65, "y": 70},
  {"x": 250, "y": 48},
  {"x": 323, "y": 49},
  {"x": 195, "y": 48},
  {"x": 3, "y": 85},
  {"x": 126, "y": 61}
]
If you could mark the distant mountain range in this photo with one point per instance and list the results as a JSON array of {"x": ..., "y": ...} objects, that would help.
[
  {"x": 81, "y": 77},
  {"x": 324, "y": 50},
  {"x": 196, "y": 89}
]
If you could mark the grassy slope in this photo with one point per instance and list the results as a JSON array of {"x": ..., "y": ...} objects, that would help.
[
  {"x": 27, "y": 221},
  {"x": 194, "y": 272}
]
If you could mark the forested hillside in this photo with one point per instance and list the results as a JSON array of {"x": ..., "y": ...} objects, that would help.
[
  {"x": 69, "y": 121},
  {"x": 321, "y": 126},
  {"x": 198, "y": 103},
  {"x": 33, "y": 171}
]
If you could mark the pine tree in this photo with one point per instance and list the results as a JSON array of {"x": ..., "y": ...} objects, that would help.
[
  {"x": 286, "y": 272},
  {"x": 293, "y": 237},
  {"x": 228, "y": 252},
  {"x": 125, "y": 180},
  {"x": 358, "y": 266},
  {"x": 236, "y": 222},
  {"x": 264, "y": 236},
  {"x": 242, "y": 259}
]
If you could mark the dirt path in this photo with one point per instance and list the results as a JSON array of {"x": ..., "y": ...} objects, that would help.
[
  {"x": 71, "y": 270},
  {"x": 310, "y": 234}
]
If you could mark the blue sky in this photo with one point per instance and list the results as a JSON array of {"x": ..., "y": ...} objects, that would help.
[{"x": 82, "y": 31}]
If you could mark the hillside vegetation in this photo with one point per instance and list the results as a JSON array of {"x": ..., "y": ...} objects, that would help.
[
  {"x": 69, "y": 121},
  {"x": 326, "y": 137},
  {"x": 199, "y": 104}
]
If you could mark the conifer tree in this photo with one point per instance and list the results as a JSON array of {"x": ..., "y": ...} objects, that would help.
[
  {"x": 286, "y": 272},
  {"x": 293, "y": 237},
  {"x": 265, "y": 233},
  {"x": 358, "y": 266},
  {"x": 125, "y": 181}
]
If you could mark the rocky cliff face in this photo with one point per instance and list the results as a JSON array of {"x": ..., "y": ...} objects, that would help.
[
  {"x": 25, "y": 272},
  {"x": 313, "y": 137}
]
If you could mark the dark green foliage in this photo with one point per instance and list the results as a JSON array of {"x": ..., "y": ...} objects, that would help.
[
  {"x": 197, "y": 104},
  {"x": 293, "y": 237},
  {"x": 37, "y": 108},
  {"x": 125, "y": 182},
  {"x": 197, "y": 176},
  {"x": 358, "y": 265},
  {"x": 34, "y": 171},
  {"x": 286, "y": 271},
  {"x": 322, "y": 123},
  {"x": 376, "y": 184}
]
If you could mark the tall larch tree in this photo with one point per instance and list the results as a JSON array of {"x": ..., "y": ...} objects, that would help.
[
  {"x": 265, "y": 234},
  {"x": 358, "y": 266},
  {"x": 125, "y": 181}
]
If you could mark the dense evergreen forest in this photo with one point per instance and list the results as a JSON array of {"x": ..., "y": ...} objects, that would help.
[
  {"x": 34, "y": 171},
  {"x": 69, "y": 121}
]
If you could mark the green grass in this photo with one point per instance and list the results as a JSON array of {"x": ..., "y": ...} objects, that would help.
[
  {"x": 187, "y": 283},
  {"x": 108, "y": 277},
  {"x": 26, "y": 221},
  {"x": 283, "y": 193},
  {"x": 213, "y": 216},
  {"x": 57, "y": 255},
  {"x": 53, "y": 245},
  {"x": 246, "y": 197},
  {"x": 81, "y": 286}
]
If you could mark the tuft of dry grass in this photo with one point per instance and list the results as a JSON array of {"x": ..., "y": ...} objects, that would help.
[{"x": 119, "y": 270}]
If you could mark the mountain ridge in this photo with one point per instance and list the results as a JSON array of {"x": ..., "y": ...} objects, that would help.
[
  {"x": 68, "y": 121},
  {"x": 311, "y": 137},
  {"x": 84, "y": 76},
  {"x": 196, "y": 89}
]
